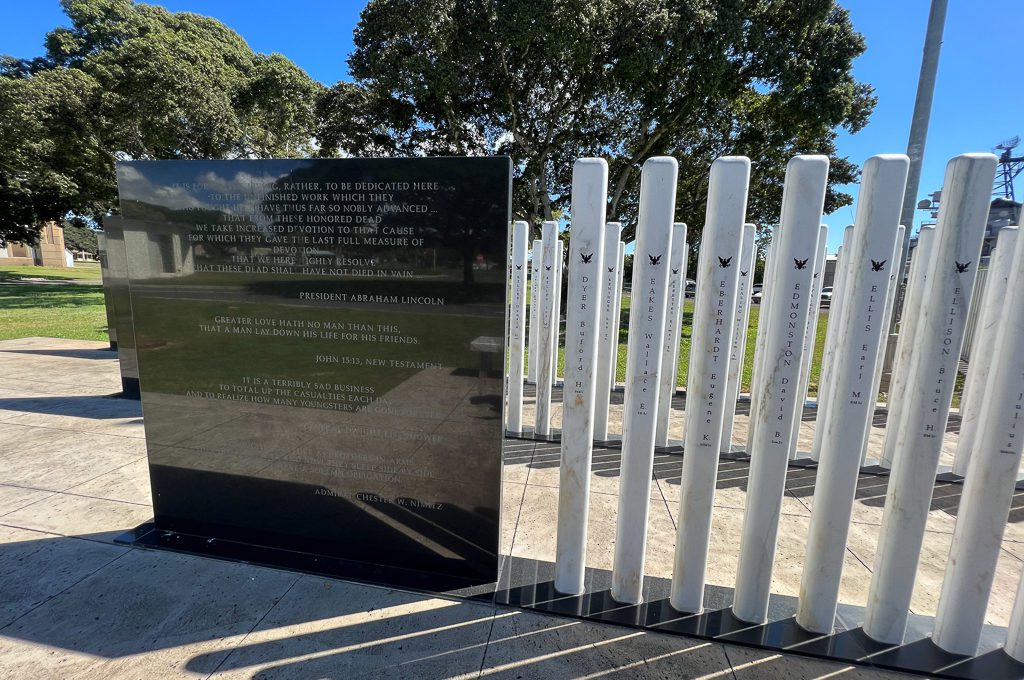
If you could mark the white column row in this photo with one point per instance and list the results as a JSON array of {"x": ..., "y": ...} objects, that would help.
[
  {"x": 896, "y": 401},
  {"x": 937, "y": 341},
  {"x": 748, "y": 259},
  {"x": 583, "y": 315},
  {"x": 940, "y": 291},
  {"x": 794, "y": 251},
  {"x": 547, "y": 334},
  {"x": 673, "y": 332},
  {"x": 861, "y": 325},
  {"x": 979, "y": 369},
  {"x": 517, "y": 327},
  {"x": 714, "y": 323},
  {"x": 828, "y": 359},
  {"x": 531, "y": 371},
  {"x": 883, "y": 342},
  {"x": 608, "y": 341},
  {"x": 991, "y": 473},
  {"x": 810, "y": 334},
  {"x": 643, "y": 371}
]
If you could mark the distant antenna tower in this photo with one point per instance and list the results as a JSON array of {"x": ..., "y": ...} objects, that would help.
[{"x": 1009, "y": 167}]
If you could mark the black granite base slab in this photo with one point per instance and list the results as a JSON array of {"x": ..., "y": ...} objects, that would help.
[
  {"x": 148, "y": 536},
  {"x": 995, "y": 664},
  {"x": 735, "y": 455},
  {"x": 529, "y": 434},
  {"x": 674, "y": 447},
  {"x": 130, "y": 389}
]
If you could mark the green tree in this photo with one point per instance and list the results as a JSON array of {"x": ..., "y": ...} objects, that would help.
[
  {"x": 548, "y": 81},
  {"x": 52, "y": 162},
  {"x": 79, "y": 235},
  {"x": 142, "y": 83}
]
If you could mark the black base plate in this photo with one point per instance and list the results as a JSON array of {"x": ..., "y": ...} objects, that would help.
[
  {"x": 529, "y": 584},
  {"x": 148, "y": 536},
  {"x": 130, "y": 389}
]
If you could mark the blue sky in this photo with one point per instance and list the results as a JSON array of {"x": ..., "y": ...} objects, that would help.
[{"x": 979, "y": 97}]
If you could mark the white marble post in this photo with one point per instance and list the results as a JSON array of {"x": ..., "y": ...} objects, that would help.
[
  {"x": 618, "y": 310},
  {"x": 963, "y": 212},
  {"x": 991, "y": 474},
  {"x": 643, "y": 368},
  {"x": 978, "y": 370},
  {"x": 582, "y": 323},
  {"x": 763, "y": 331},
  {"x": 795, "y": 248},
  {"x": 547, "y": 339},
  {"x": 810, "y": 334},
  {"x": 828, "y": 358},
  {"x": 673, "y": 331},
  {"x": 714, "y": 322},
  {"x": 896, "y": 404},
  {"x": 608, "y": 341},
  {"x": 531, "y": 364},
  {"x": 861, "y": 326},
  {"x": 1015, "y": 631},
  {"x": 517, "y": 327},
  {"x": 559, "y": 273},
  {"x": 890, "y": 301},
  {"x": 748, "y": 258}
]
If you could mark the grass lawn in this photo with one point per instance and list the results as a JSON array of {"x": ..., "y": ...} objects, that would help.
[
  {"x": 684, "y": 346},
  {"x": 86, "y": 271},
  {"x": 55, "y": 310}
]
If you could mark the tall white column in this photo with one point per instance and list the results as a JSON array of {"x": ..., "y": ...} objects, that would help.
[
  {"x": 582, "y": 324},
  {"x": 547, "y": 338},
  {"x": 810, "y": 333},
  {"x": 763, "y": 332},
  {"x": 795, "y": 248},
  {"x": 517, "y": 326},
  {"x": 861, "y": 326},
  {"x": 917, "y": 286},
  {"x": 748, "y": 258},
  {"x": 714, "y": 322},
  {"x": 979, "y": 369},
  {"x": 608, "y": 342},
  {"x": 673, "y": 331},
  {"x": 643, "y": 368},
  {"x": 618, "y": 309},
  {"x": 559, "y": 272},
  {"x": 991, "y": 473},
  {"x": 890, "y": 301},
  {"x": 531, "y": 370},
  {"x": 828, "y": 359},
  {"x": 967, "y": 191}
]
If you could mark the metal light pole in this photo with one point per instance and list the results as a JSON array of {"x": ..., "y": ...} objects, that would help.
[{"x": 919, "y": 133}]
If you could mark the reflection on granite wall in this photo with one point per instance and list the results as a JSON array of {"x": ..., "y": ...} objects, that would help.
[
  {"x": 319, "y": 348},
  {"x": 119, "y": 308}
]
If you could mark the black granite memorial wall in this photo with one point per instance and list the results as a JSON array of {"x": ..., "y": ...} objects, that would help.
[{"x": 320, "y": 350}]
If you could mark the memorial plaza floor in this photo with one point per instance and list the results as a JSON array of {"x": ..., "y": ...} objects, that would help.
[{"x": 73, "y": 604}]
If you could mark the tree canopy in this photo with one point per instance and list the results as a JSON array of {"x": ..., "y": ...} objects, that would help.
[
  {"x": 548, "y": 81},
  {"x": 543, "y": 81},
  {"x": 79, "y": 235},
  {"x": 135, "y": 81}
]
